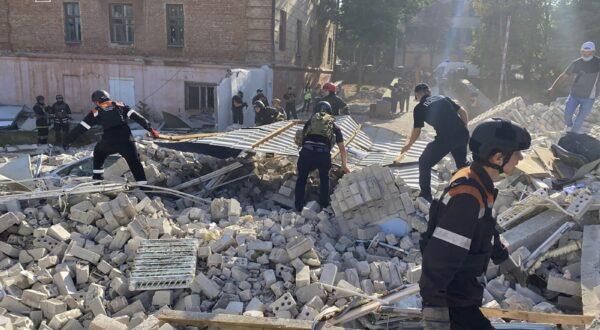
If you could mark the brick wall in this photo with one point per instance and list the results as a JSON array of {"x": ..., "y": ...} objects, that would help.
[{"x": 215, "y": 31}]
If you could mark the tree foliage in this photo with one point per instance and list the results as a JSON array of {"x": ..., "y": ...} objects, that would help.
[{"x": 368, "y": 28}]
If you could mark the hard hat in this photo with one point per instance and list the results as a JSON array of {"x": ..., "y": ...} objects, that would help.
[
  {"x": 100, "y": 96},
  {"x": 329, "y": 87},
  {"x": 323, "y": 106},
  {"x": 259, "y": 104}
]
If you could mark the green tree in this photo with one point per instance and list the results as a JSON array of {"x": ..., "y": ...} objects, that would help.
[
  {"x": 528, "y": 42},
  {"x": 368, "y": 29}
]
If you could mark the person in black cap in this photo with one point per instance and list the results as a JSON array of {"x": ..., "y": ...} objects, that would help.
[
  {"x": 61, "y": 113},
  {"x": 450, "y": 123},
  {"x": 260, "y": 97}
]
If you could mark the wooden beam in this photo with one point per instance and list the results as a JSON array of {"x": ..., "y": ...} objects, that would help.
[
  {"x": 347, "y": 142},
  {"x": 548, "y": 318},
  {"x": 274, "y": 133},
  {"x": 186, "y": 137},
  {"x": 234, "y": 322}
]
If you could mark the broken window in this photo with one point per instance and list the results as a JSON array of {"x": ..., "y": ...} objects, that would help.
[
  {"x": 72, "y": 22},
  {"x": 199, "y": 97},
  {"x": 282, "y": 29},
  {"x": 121, "y": 23},
  {"x": 175, "y": 25}
]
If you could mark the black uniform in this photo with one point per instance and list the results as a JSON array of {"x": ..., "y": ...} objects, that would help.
[
  {"x": 404, "y": 96},
  {"x": 238, "y": 110},
  {"x": 315, "y": 154},
  {"x": 290, "y": 105},
  {"x": 338, "y": 106},
  {"x": 267, "y": 116},
  {"x": 452, "y": 136},
  {"x": 117, "y": 136},
  {"x": 260, "y": 97},
  {"x": 42, "y": 122},
  {"x": 460, "y": 240},
  {"x": 61, "y": 113}
]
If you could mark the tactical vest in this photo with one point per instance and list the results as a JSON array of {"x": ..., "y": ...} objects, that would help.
[
  {"x": 61, "y": 115},
  {"x": 321, "y": 124}
]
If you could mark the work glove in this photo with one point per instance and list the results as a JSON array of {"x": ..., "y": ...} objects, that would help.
[
  {"x": 436, "y": 318},
  {"x": 513, "y": 273},
  {"x": 154, "y": 133}
]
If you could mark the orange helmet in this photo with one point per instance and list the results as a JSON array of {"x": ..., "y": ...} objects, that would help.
[{"x": 329, "y": 87}]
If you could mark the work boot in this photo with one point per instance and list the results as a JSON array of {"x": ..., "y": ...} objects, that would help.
[{"x": 570, "y": 158}]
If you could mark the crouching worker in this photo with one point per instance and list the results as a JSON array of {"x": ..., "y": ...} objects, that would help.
[
  {"x": 318, "y": 136},
  {"x": 461, "y": 237},
  {"x": 116, "y": 137}
]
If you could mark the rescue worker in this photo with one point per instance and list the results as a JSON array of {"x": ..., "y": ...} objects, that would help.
[
  {"x": 116, "y": 137},
  {"x": 61, "y": 114},
  {"x": 237, "y": 107},
  {"x": 290, "y": 104},
  {"x": 404, "y": 96},
  {"x": 450, "y": 123},
  {"x": 265, "y": 115},
  {"x": 260, "y": 97},
  {"x": 319, "y": 135},
  {"x": 42, "y": 121},
  {"x": 461, "y": 236},
  {"x": 338, "y": 106},
  {"x": 307, "y": 98},
  {"x": 279, "y": 108}
]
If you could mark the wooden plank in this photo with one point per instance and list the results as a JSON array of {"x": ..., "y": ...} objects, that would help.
[
  {"x": 186, "y": 137},
  {"x": 545, "y": 156},
  {"x": 548, "y": 318},
  {"x": 532, "y": 165},
  {"x": 274, "y": 133},
  {"x": 227, "y": 321},
  {"x": 348, "y": 141}
]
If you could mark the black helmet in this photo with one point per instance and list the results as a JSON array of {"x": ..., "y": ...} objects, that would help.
[
  {"x": 100, "y": 96},
  {"x": 323, "y": 106},
  {"x": 240, "y": 93},
  {"x": 58, "y": 96},
  {"x": 259, "y": 104},
  {"x": 39, "y": 98},
  {"x": 498, "y": 135}
]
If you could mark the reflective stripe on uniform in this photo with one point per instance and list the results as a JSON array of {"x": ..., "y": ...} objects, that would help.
[
  {"x": 130, "y": 112},
  {"x": 452, "y": 238},
  {"x": 84, "y": 124},
  {"x": 98, "y": 171},
  {"x": 142, "y": 182}
]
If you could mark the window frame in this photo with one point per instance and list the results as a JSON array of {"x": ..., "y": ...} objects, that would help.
[
  {"x": 127, "y": 22},
  {"x": 179, "y": 22},
  {"x": 76, "y": 19},
  {"x": 202, "y": 106}
]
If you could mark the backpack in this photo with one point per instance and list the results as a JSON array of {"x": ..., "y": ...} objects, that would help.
[{"x": 321, "y": 123}]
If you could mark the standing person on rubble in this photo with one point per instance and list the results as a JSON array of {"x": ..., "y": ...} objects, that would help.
[
  {"x": 237, "y": 107},
  {"x": 290, "y": 104},
  {"x": 260, "y": 97},
  {"x": 42, "y": 119},
  {"x": 61, "y": 114},
  {"x": 307, "y": 95},
  {"x": 319, "y": 135},
  {"x": 584, "y": 89},
  {"x": 338, "y": 106},
  {"x": 461, "y": 235},
  {"x": 266, "y": 115},
  {"x": 116, "y": 137},
  {"x": 450, "y": 123}
]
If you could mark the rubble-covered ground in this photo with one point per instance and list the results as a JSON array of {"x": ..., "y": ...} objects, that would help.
[{"x": 72, "y": 252}]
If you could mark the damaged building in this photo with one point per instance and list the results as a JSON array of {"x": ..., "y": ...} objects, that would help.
[{"x": 171, "y": 57}]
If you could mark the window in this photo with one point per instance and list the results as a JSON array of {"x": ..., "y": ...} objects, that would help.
[
  {"x": 329, "y": 50},
  {"x": 298, "y": 37},
  {"x": 282, "y": 29},
  {"x": 199, "y": 97},
  {"x": 121, "y": 23},
  {"x": 175, "y": 25},
  {"x": 72, "y": 22}
]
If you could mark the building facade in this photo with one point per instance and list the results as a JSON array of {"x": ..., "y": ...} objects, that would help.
[{"x": 169, "y": 54}]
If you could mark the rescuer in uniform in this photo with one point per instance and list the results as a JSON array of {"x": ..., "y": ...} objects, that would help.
[{"x": 61, "y": 113}]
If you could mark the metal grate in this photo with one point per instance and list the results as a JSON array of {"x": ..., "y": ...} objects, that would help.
[{"x": 164, "y": 264}]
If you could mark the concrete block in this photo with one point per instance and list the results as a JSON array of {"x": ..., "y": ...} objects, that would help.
[
  {"x": 9, "y": 250},
  {"x": 59, "y": 320},
  {"x": 590, "y": 276},
  {"x": 133, "y": 308},
  {"x": 207, "y": 286},
  {"x": 84, "y": 254},
  {"x": 8, "y": 220},
  {"x": 162, "y": 298},
  {"x": 96, "y": 305},
  {"x": 328, "y": 274},
  {"x": 414, "y": 274},
  {"x": 48, "y": 261},
  {"x": 255, "y": 308},
  {"x": 560, "y": 284},
  {"x": 52, "y": 307},
  {"x": 14, "y": 305},
  {"x": 59, "y": 233},
  {"x": 234, "y": 307},
  {"x": 284, "y": 303},
  {"x": 306, "y": 293},
  {"x": 534, "y": 231},
  {"x": 303, "y": 277},
  {"x": 299, "y": 246},
  {"x": 64, "y": 282},
  {"x": 269, "y": 277},
  {"x": 33, "y": 298},
  {"x": 103, "y": 322},
  {"x": 82, "y": 273}
]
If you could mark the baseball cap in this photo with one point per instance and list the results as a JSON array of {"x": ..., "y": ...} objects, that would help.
[
  {"x": 588, "y": 46},
  {"x": 421, "y": 87},
  {"x": 259, "y": 90}
]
